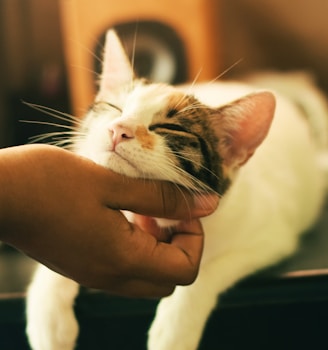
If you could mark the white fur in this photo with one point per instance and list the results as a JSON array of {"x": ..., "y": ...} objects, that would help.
[
  {"x": 51, "y": 321},
  {"x": 275, "y": 197}
]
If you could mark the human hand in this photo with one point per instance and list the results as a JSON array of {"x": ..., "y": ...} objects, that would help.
[{"x": 64, "y": 211}]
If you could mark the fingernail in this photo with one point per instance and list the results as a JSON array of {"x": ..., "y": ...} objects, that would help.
[{"x": 205, "y": 204}]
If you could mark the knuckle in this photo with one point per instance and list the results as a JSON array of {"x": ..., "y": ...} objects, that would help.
[
  {"x": 167, "y": 291},
  {"x": 190, "y": 277}
]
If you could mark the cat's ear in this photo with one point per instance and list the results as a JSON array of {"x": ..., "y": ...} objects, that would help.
[
  {"x": 242, "y": 125},
  {"x": 116, "y": 69}
]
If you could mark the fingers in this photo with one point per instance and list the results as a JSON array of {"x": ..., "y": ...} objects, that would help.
[
  {"x": 154, "y": 269},
  {"x": 189, "y": 239},
  {"x": 158, "y": 198},
  {"x": 174, "y": 263},
  {"x": 184, "y": 254}
]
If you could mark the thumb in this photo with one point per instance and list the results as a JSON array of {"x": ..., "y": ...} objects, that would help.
[{"x": 158, "y": 198}]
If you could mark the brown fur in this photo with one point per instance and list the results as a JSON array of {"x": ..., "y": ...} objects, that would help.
[
  {"x": 186, "y": 126},
  {"x": 145, "y": 138}
]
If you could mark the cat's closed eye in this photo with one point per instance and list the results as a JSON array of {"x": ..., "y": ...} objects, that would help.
[{"x": 100, "y": 106}]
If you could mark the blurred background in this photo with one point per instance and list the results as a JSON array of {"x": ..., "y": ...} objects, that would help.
[
  {"x": 173, "y": 42},
  {"x": 50, "y": 54}
]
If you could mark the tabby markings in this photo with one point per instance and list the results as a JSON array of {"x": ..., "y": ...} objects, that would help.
[{"x": 146, "y": 140}]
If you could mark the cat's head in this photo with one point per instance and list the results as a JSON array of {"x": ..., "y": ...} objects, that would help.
[{"x": 155, "y": 131}]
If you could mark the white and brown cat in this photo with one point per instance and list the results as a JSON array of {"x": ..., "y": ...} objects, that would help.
[{"x": 259, "y": 151}]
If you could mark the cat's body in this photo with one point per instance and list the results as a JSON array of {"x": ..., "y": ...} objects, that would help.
[{"x": 274, "y": 196}]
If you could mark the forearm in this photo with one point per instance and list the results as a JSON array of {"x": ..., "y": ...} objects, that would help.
[
  {"x": 8, "y": 190},
  {"x": 17, "y": 182}
]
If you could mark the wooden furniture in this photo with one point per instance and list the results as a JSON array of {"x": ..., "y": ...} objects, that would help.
[{"x": 85, "y": 21}]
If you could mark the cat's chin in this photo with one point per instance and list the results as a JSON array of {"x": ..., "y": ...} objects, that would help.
[{"x": 122, "y": 166}]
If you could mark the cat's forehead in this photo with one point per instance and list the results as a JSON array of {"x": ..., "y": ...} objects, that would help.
[{"x": 153, "y": 98}]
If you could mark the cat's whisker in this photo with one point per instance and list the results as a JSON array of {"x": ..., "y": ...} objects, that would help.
[
  {"x": 189, "y": 89},
  {"x": 54, "y": 113},
  {"x": 180, "y": 101},
  {"x": 133, "y": 54},
  {"x": 52, "y": 110},
  {"x": 47, "y": 123},
  {"x": 194, "y": 81},
  {"x": 61, "y": 134},
  {"x": 189, "y": 181},
  {"x": 193, "y": 106},
  {"x": 46, "y": 136},
  {"x": 85, "y": 69},
  {"x": 190, "y": 106},
  {"x": 227, "y": 70},
  {"x": 164, "y": 167},
  {"x": 67, "y": 143},
  {"x": 170, "y": 171},
  {"x": 200, "y": 186},
  {"x": 185, "y": 96},
  {"x": 90, "y": 51},
  {"x": 62, "y": 144}
]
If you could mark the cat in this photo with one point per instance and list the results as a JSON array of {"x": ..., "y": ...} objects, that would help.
[{"x": 259, "y": 151}]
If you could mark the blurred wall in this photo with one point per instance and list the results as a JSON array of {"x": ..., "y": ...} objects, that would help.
[
  {"x": 276, "y": 34},
  {"x": 265, "y": 34},
  {"x": 32, "y": 39},
  {"x": 31, "y": 65}
]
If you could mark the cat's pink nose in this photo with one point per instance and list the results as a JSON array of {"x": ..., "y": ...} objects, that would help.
[{"x": 120, "y": 133}]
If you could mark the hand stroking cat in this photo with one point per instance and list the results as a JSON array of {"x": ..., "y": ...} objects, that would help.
[{"x": 57, "y": 206}]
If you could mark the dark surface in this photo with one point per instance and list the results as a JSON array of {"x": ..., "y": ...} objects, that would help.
[{"x": 285, "y": 307}]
